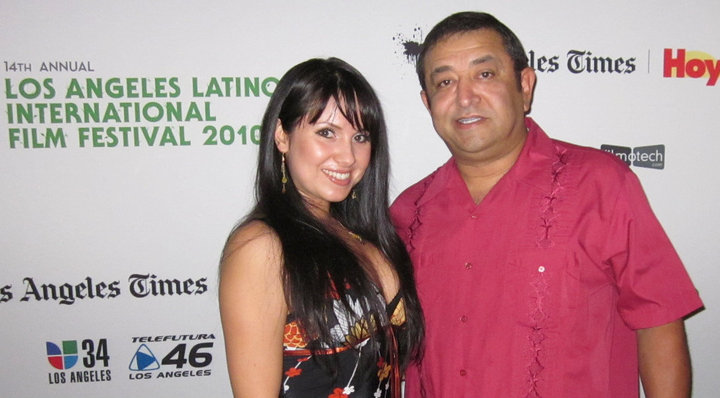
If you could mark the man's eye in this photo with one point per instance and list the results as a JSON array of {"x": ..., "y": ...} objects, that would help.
[
  {"x": 443, "y": 83},
  {"x": 487, "y": 74}
]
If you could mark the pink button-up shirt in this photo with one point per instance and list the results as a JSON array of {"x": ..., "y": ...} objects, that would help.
[{"x": 537, "y": 291}]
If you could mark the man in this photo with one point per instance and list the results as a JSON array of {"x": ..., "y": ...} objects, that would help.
[{"x": 540, "y": 266}]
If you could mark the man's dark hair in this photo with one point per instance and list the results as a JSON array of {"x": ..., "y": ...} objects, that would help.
[{"x": 468, "y": 21}]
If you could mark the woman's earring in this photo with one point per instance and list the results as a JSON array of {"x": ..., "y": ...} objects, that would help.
[
  {"x": 354, "y": 195},
  {"x": 284, "y": 174}
]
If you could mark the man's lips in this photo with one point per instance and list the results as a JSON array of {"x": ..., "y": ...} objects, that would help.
[{"x": 470, "y": 120}]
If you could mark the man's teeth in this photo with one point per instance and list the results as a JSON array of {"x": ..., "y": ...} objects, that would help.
[
  {"x": 469, "y": 120},
  {"x": 336, "y": 175}
]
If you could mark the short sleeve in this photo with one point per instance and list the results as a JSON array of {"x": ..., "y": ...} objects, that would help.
[{"x": 654, "y": 287}]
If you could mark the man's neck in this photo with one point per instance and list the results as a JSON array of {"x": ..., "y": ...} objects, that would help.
[{"x": 481, "y": 176}]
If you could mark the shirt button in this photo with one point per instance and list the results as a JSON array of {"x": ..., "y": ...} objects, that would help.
[
  {"x": 463, "y": 372},
  {"x": 541, "y": 269},
  {"x": 474, "y": 217},
  {"x": 463, "y": 318},
  {"x": 468, "y": 265}
]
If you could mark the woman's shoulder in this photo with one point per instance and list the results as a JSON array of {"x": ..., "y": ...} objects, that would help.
[
  {"x": 252, "y": 231},
  {"x": 252, "y": 240}
]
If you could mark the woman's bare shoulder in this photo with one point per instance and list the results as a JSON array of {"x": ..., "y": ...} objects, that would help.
[
  {"x": 254, "y": 235},
  {"x": 252, "y": 244}
]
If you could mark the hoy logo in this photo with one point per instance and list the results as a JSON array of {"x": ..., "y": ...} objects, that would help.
[
  {"x": 651, "y": 157},
  {"x": 693, "y": 64}
]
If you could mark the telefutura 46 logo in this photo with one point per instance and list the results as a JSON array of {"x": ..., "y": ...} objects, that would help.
[
  {"x": 144, "y": 359},
  {"x": 681, "y": 63},
  {"x": 178, "y": 356},
  {"x": 85, "y": 362}
]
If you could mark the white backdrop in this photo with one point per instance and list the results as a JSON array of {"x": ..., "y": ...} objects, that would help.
[{"x": 110, "y": 244}]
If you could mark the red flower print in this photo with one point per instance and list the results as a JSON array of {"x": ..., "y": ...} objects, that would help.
[
  {"x": 338, "y": 393},
  {"x": 292, "y": 372},
  {"x": 293, "y": 336}
]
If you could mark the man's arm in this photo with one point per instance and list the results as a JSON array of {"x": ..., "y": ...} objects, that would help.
[{"x": 664, "y": 361}]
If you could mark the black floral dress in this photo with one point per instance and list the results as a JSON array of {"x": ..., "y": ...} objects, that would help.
[{"x": 304, "y": 377}]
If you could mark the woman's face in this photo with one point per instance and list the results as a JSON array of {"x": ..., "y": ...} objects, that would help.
[{"x": 325, "y": 159}]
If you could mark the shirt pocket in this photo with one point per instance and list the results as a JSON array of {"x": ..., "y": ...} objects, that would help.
[{"x": 547, "y": 280}]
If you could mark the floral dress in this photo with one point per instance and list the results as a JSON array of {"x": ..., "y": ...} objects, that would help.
[{"x": 304, "y": 377}]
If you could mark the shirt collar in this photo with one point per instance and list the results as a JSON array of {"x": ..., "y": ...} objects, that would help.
[{"x": 536, "y": 157}]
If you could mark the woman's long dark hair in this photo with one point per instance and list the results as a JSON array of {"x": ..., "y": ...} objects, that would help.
[{"x": 317, "y": 260}]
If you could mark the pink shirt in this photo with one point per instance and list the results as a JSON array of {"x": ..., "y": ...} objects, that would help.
[{"x": 537, "y": 291}]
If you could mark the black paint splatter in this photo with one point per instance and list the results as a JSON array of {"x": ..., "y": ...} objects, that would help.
[
  {"x": 412, "y": 49},
  {"x": 409, "y": 46}
]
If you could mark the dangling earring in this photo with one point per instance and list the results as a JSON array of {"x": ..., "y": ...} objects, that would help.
[
  {"x": 354, "y": 195},
  {"x": 284, "y": 179}
]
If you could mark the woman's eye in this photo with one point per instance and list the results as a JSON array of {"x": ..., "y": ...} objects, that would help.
[
  {"x": 362, "y": 137},
  {"x": 327, "y": 133}
]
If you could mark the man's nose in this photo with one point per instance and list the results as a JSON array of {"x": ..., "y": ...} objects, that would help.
[{"x": 466, "y": 94}]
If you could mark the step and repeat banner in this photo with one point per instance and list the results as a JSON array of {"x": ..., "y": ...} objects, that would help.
[{"x": 128, "y": 142}]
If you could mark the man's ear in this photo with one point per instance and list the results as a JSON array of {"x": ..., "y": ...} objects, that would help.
[
  {"x": 527, "y": 85},
  {"x": 425, "y": 99},
  {"x": 282, "y": 140}
]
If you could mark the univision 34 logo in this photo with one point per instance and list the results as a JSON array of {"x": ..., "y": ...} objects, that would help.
[
  {"x": 651, "y": 157},
  {"x": 90, "y": 356}
]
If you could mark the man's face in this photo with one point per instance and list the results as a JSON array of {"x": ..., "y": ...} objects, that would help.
[{"x": 473, "y": 96}]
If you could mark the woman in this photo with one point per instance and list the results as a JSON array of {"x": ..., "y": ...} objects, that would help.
[{"x": 313, "y": 278}]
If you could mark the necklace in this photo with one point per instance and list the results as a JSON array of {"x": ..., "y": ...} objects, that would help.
[
  {"x": 351, "y": 233},
  {"x": 356, "y": 236}
]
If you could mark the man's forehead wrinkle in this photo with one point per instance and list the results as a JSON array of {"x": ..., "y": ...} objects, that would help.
[{"x": 475, "y": 62}]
